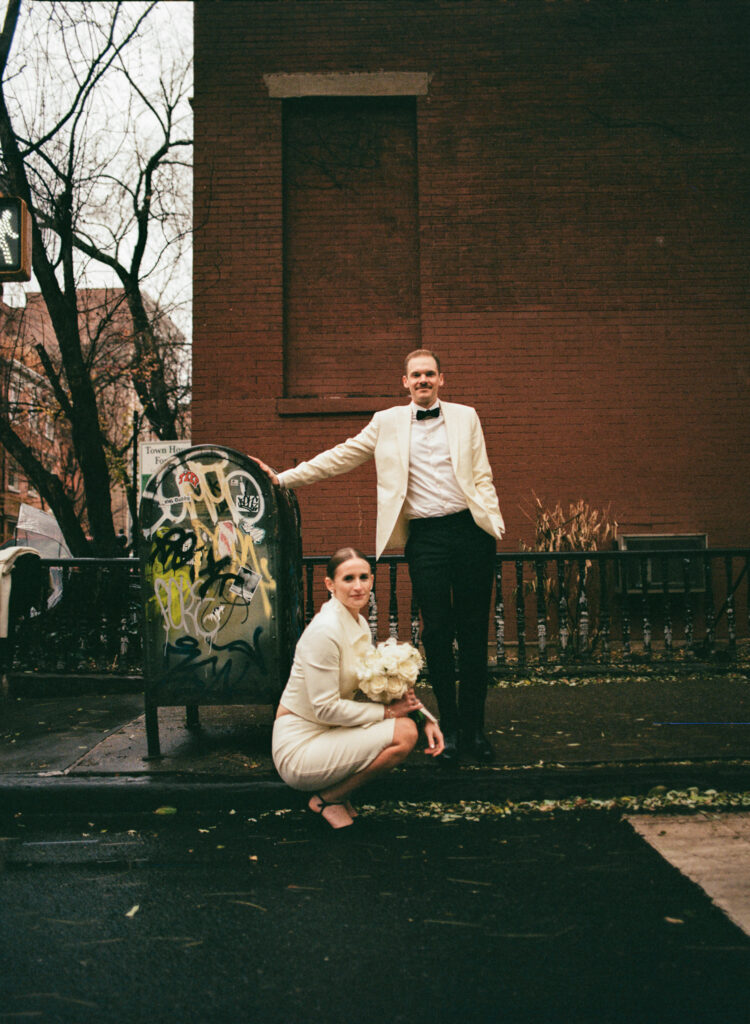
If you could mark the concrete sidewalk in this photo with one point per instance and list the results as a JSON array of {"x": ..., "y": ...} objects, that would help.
[{"x": 553, "y": 739}]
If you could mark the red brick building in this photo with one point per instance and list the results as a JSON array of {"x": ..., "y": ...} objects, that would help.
[
  {"x": 552, "y": 195},
  {"x": 32, "y": 409}
]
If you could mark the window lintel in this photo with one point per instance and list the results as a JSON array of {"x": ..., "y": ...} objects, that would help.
[{"x": 284, "y": 85}]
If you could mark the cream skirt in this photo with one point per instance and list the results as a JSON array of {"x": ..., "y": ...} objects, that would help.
[{"x": 311, "y": 756}]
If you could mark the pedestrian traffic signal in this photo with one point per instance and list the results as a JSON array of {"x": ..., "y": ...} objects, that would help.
[{"x": 15, "y": 240}]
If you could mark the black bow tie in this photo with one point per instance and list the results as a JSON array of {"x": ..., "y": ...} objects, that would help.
[{"x": 428, "y": 414}]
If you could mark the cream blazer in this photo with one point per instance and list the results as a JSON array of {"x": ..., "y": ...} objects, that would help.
[
  {"x": 386, "y": 439},
  {"x": 324, "y": 679}
]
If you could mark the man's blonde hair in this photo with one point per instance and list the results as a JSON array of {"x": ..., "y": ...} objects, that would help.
[{"x": 420, "y": 352}]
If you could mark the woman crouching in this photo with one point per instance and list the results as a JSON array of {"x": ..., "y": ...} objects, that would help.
[{"x": 324, "y": 741}]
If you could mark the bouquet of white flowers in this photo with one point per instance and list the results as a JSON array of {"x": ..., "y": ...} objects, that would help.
[{"x": 387, "y": 671}]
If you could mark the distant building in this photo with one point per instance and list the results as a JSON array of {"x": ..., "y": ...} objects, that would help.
[
  {"x": 31, "y": 411},
  {"x": 553, "y": 196},
  {"x": 34, "y": 411}
]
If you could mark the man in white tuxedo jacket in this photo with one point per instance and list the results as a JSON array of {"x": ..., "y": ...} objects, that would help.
[{"x": 435, "y": 497}]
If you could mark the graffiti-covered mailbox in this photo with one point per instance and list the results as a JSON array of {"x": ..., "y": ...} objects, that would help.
[{"x": 221, "y": 570}]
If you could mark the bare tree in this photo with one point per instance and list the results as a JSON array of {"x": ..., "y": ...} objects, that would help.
[{"x": 99, "y": 148}]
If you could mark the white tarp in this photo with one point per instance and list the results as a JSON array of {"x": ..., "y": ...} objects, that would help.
[{"x": 39, "y": 530}]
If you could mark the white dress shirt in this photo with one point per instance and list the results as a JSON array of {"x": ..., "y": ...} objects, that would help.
[{"x": 432, "y": 489}]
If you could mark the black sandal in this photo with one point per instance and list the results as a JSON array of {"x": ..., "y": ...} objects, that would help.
[{"x": 327, "y": 803}]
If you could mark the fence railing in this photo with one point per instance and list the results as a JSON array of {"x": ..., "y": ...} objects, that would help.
[
  {"x": 593, "y": 610},
  {"x": 80, "y": 617},
  {"x": 630, "y": 606}
]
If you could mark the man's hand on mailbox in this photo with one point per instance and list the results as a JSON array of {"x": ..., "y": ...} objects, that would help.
[{"x": 266, "y": 469}]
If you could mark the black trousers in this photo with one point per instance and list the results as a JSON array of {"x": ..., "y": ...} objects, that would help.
[{"x": 452, "y": 565}]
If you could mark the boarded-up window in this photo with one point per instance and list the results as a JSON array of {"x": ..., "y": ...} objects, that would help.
[{"x": 351, "y": 253}]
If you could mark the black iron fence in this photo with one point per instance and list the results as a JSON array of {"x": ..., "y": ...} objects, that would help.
[
  {"x": 592, "y": 610},
  {"x": 630, "y": 607},
  {"x": 78, "y": 617}
]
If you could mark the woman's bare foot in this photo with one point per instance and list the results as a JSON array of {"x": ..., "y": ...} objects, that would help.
[
  {"x": 353, "y": 812},
  {"x": 336, "y": 814}
]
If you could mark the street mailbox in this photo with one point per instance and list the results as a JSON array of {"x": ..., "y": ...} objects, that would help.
[{"x": 221, "y": 571}]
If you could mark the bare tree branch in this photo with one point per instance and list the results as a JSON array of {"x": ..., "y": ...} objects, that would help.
[{"x": 106, "y": 205}]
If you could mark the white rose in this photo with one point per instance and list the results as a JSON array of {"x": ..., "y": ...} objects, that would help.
[
  {"x": 396, "y": 688},
  {"x": 409, "y": 672},
  {"x": 377, "y": 686},
  {"x": 390, "y": 661}
]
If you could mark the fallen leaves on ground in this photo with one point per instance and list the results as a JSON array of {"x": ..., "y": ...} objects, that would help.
[
  {"x": 554, "y": 678},
  {"x": 656, "y": 800}
]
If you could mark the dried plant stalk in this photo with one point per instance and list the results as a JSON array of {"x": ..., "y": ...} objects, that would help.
[{"x": 580, "y": 528}]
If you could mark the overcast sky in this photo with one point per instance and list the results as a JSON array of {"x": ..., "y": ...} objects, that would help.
[{"x": 169, "y": 26}]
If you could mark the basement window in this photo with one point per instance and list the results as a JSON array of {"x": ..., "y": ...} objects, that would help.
[{"x": 667, "y": 565}]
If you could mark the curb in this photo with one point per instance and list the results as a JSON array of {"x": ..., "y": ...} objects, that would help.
[{"x": 141, "y": 793}]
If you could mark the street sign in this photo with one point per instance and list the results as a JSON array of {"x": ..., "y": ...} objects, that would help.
[
  {"x": 15, "y": 239},
  {"x": 151, "y": 455}
]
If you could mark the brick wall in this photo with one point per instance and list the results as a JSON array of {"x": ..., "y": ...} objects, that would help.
[
  {"x": 583, "y": 248},
  {"x": 351, "y": 233}
]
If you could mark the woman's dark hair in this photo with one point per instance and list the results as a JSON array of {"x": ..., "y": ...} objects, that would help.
[{"x": 343, "y": 555}]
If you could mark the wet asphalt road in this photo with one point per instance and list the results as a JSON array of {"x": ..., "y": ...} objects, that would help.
[{"x": 208, "y": 917}]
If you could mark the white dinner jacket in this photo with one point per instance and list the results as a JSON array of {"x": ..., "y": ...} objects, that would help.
[{"x": 386, "y": 439}]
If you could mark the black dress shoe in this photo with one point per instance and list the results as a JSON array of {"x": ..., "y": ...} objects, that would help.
[
  {"x": 449, "y": 756},
  {"x": 478, "y": 747}
]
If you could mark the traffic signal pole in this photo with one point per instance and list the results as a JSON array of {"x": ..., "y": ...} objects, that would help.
[{"x": 15, "y": 240}]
